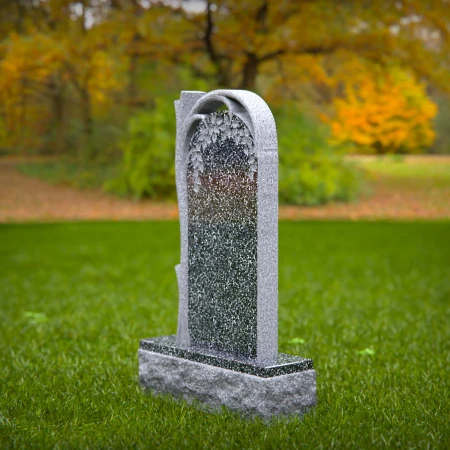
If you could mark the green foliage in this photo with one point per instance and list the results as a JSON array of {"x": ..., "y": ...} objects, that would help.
[
  {"x": 68, "y": 375},
  {"x": 442, "y": 144},
  {"x": 312, "y": 171},
  {"x": 102, "y": 146},
  {"x": 429, "y": 169},
  {"x": 66, "y": 172},
  {"x": 148, "y": 155}
]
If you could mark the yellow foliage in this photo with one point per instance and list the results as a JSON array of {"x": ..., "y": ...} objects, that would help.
[
  {"x": 63, "y": 61},
  {"x": 384, "y": 112},
  {"x": 27, "y": 63},
  {"x": 33, "y": 65}
]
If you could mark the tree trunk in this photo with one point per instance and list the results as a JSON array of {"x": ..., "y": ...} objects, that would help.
[
  {"x": 132, "y": 83},
  {"x": 250, "y": 72},
  {"x": 60, "y": 123},
  {"x": 58, "y": 116},
  {"x": 23, "y": 143},
  {"x": 86, "y": 149},
  {"x": 133, "y": 72},
  {"x": 133, "y": 67}
]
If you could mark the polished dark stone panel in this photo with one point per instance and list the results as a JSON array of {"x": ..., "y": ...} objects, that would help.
[
  {"x": 222, "y": 182},
  {"x": 286, "y": 364}
]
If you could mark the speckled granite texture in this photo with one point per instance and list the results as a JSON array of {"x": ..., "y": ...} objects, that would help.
[
  {"x": 222, "y": 235},
  {"x": 243, "y": 140},
  {"x": 283, "y": 365},
  {"x": 214, "y": 386},
  {"x": 226, "y": 348}
]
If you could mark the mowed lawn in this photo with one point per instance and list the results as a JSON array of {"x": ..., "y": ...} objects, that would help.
[
  {"x": 370, "y": 300},
  {"x": 432, "y": 169},
  {"x": 427, "y": 177}
]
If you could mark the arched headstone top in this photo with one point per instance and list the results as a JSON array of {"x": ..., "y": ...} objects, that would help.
[
  {"x": 251, "y": 108},
  {"x": 227, "y": 175}
]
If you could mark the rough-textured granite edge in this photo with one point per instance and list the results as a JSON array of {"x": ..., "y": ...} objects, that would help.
[{"x": 214, "y": 387}]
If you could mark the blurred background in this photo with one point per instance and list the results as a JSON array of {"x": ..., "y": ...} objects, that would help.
[{"x": 359, "y": 90}]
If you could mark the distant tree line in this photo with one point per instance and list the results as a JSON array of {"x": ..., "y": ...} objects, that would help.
[{"x": 74, "y": 73}]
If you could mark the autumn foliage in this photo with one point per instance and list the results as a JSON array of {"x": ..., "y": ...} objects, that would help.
[
  {"x": 385, "y": 112},
  {"x": 73, "y": 73}
]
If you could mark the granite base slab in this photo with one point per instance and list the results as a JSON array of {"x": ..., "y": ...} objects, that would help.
[{"x": 291, "y": 393}]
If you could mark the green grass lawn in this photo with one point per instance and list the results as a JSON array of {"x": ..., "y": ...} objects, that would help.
[
  {"x": 370, "y": 300},
  {"x": 413, "y": 171}
]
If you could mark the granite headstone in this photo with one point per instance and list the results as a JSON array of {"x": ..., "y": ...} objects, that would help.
[{"x": 226, "y": 348}]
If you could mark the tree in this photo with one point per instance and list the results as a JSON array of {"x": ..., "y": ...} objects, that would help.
[
  {"x": 57, "y": 56},
  {"x": 25, "y": 71},
  {"x": 240, "y": 40},
  {"x": 385, "y": 112},
  {"x": 67, "y": 60}
]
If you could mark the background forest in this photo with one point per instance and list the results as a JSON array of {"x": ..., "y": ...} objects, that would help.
[{"x": 92, "y": 84}]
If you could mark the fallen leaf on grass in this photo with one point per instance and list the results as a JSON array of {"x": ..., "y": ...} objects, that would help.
[
  {"x": 297, "y": 341},
  {"x": 367, "y": 351},
  {"x": 36, "y": 318}
]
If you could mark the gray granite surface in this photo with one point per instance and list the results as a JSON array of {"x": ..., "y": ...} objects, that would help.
[
  {"x": 215, "y": 387},
  {"x": 226, "y": 348}
]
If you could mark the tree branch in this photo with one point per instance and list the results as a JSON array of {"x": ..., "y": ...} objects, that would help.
[
  {"x": 261, "y": 16},
  {"x": 208, "y": 37},
  {"x": 307, "y": 51}
]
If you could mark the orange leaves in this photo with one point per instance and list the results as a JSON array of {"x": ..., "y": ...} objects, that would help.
[{"x": 384, "y": 112}]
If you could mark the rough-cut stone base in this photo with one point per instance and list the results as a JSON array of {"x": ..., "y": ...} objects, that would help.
[{"x": 214, "y": 386}]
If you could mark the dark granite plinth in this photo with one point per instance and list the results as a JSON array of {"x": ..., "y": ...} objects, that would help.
[{"x": 285, "y": 364}]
